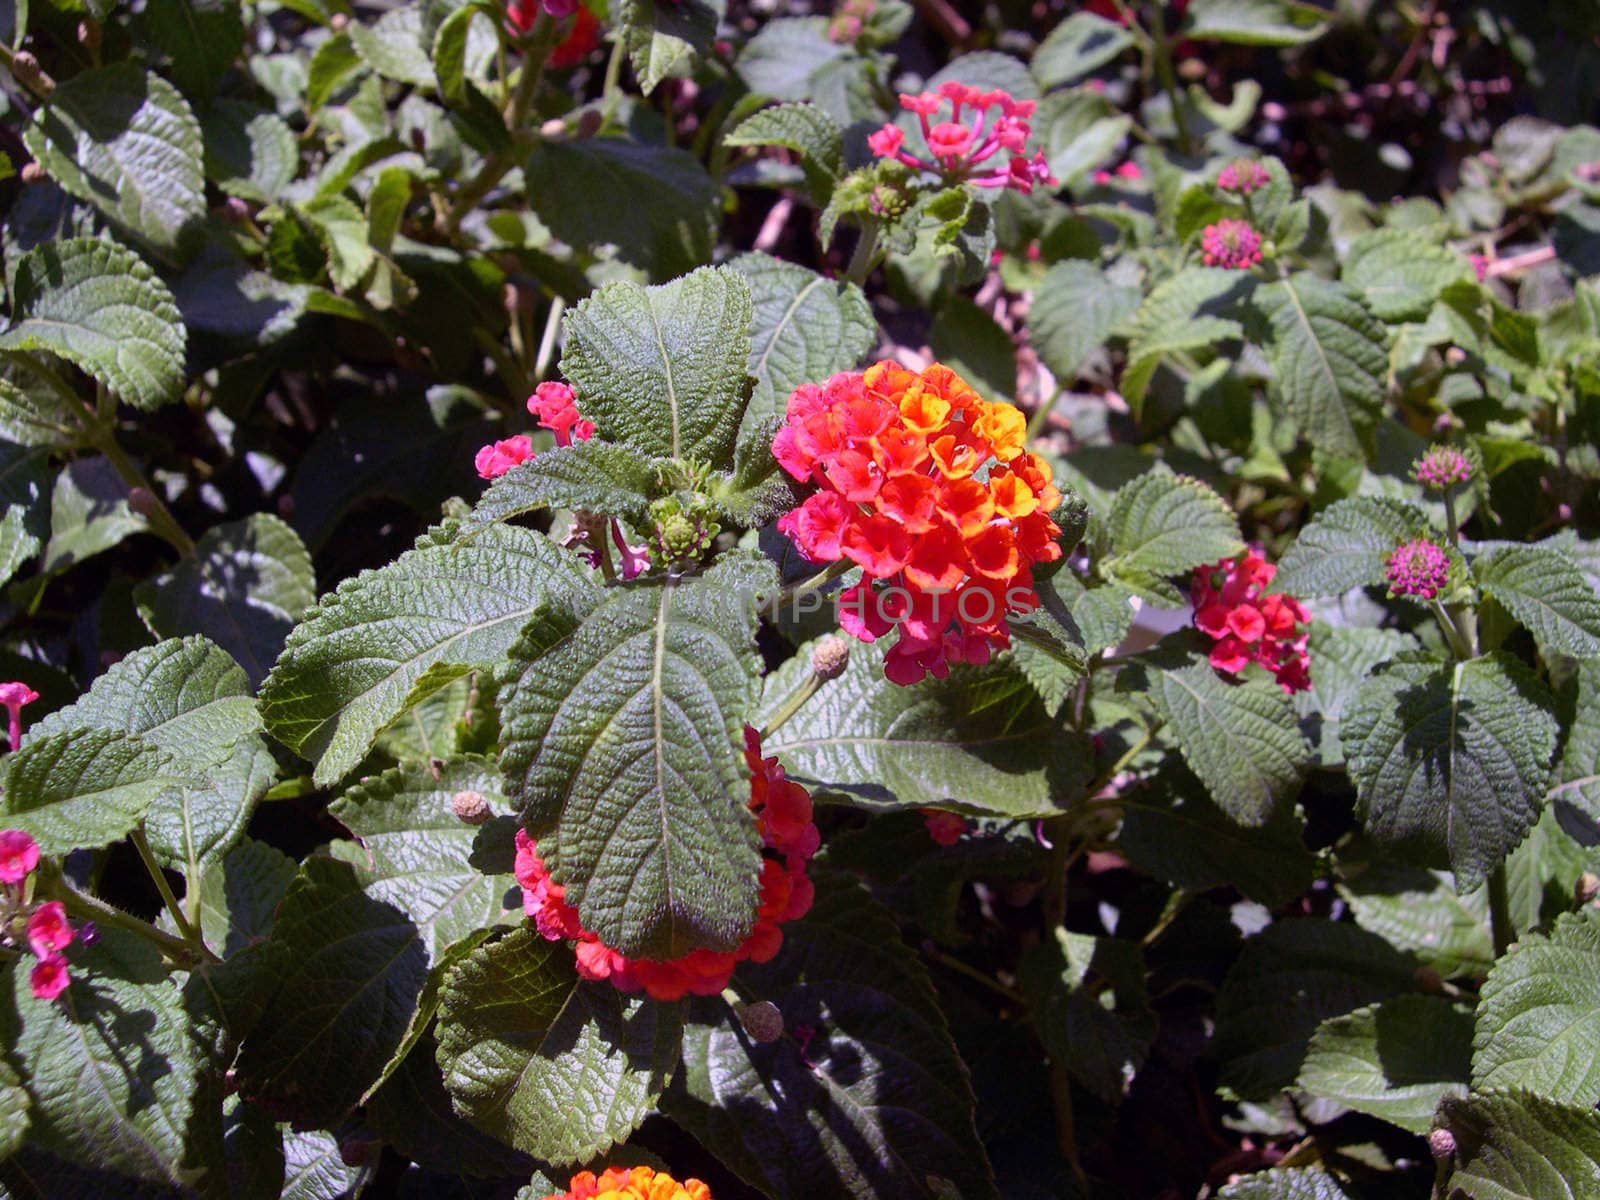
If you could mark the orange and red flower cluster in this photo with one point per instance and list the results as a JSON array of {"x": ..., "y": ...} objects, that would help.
[
  {"x": 960, "y": 148},
  {"x": 783, "y": 814},
  {"x": 631, "y": 1183},
  {"x": 1250, "y": 627},
  {"x": 928, "y": 488},
  {"x": 556, "y": 406}
]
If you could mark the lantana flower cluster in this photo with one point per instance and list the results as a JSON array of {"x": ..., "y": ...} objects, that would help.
[
  {"x": 1230, "y": 605},
  {"x": 43, "y": 928},
  {"x": 1441, "y": 468},
  {"x": 1230, "y": 243},
  {"x": 1243, "y": 176},
  {"x": 631, "y": 1183},
  {"x": 1419, "y": 568},
  {"x": 961, "y": 149},
  {"x": 928, "y": 488},
  {"x": 556, "y": 406},
  {"x": 789, "y": 838}
]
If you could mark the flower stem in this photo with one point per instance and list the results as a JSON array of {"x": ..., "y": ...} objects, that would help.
[
  {"x": 795, "y": 702},
  {"x": 547, "y": 341},
  {"x": 865, "y": 256},
  {"x": 87, "y": 907},
  {"x": 815, "y": 583},
  {"x": 1500, "y": 926},
  {"x": 190, "y": 935},
  {"x": 1169, "y": 80}
]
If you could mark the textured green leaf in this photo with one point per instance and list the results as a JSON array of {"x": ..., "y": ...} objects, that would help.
[
  {"x": 662, "y": 369},
  {"x": 1075, "y": 309},
  {"x": 620, "y": 740},
  {"x": 875, "y": 1103},
  {"x": 125, "y": 140},
  {"x": 1239, "y": 737},
  {"x": 201, "y": 39},
  {"x": 804, "y": 128},
  {"x": 393, "y": 46},
  {"x": 589, "y": 195},
  {"x": 1331, "y": 361},
  {"x": 249, "y": 152},
  {"x": 1194, "y": 310},
  {"x": 786, "y": 55},
  {"x": 1285, "y": 1183},
  {"x": 972, "y": 343},
  {"x": 14, "y": 1105},
  {"x": 1088, "y": 996},
  {"x": 244, "y": 587},
  {"x": 190, "y": 699},
  {"x": 803, "y": 328},
  {"x": 1543, "y": 589},
  {"x": 1450, "y": 760},
  {"x": 1539, "y": 1015},
  {"x": 88, "y": 513},
  {"x": 1291, "y": 977},
  {"x": 1082, "y": 43},
  {"x": 662, "y": 36},
  {"x": 1164, "y": 524},
  {"x": 1343, "y": 658},
  {"x": 414, "y": 853},
  {"x": 110, "y": 1064},
  {"x": 1577, "y": 778},
  {"x": 1419, "y": 912},
  {"x": 1255, "y": 22},
  {"x": 980, "y": 741},
  {"x": 350, "y": 972},
  {"x": 1078, "y": 131},
  {"x": 85, "y": 787},
  {"x": 352, "y": 666},
  {"x": 239, "y": 901},
  {"x": 314, "y": 1168},
  {"x": 1401, "y": 275},
  {"x": 1345, "y": 545},
  {"x": 556, "y": 1066},
  {"x": 32, "y": 415},
  {"x": 97, "y": 305},
  {"x": 1517, "y": 1146},
  {"x": 1395, "y": 1060},
  {"x": 595, "y": 476}
]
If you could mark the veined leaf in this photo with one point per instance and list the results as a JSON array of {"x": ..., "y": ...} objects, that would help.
[
  {"x": 1344, "y": 657},
  {"x": 14, "y": 1105},
  {"x": 355, "y": 663},
  {"x": 804, "y": 128},
  {"x": 1519, "y": 1146},
  {"x": 662, "y": 35},
  {"x": 85, "y": 787},
  {"x": 1255, "y": 22},
  {"x": 1080, "y": 44},
  {"x": 393, "y": 46},
  {"x": 1193, "y": 310},
  {"x": 1419, "y": 912},
  {"x": 558, "y": 1067},
  {"x": 1285, "y": 1183},
  {"x": 1544, "y": 590},
  {"x": 1076, "y": 308},
  {"x": 621, "y": 743},
  {"x": 1164, "y": 524},
  {"x": 1400, "y": 274},
  {"x": 201, "y": 41},
  {"x": 1344, "y": 547},
  {"x": 595, "y": 476}
]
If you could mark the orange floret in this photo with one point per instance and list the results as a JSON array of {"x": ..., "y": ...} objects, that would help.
[{"x": 631, "y": 1183}]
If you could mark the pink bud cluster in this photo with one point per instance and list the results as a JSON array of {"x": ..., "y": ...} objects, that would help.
[
  {"x": 1243, "y": 176},
  {"x": 43, "y": 927},
  {"x": 1419, "y": 568},
  {"x": 961, "y": 150},
  {"x": 1230, "y": 243},
  {"x": 556, "y": 406},
  {"x": 1441, "y": 468}
]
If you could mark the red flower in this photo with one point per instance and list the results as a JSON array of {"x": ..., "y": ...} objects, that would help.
[
  {"x": 578, "y": 44},
  {"x": 783, "y": 814},
  {"x": 19, "y": 855},
  {"x": 1249, "y": 626},
  {"x": 48, "y": 929},
  {"x": 961, "y": 150},
  {"x": 49, "y": 979},
  {"x": 945, "y": 828},
  {"x": 556, "y": 406}
]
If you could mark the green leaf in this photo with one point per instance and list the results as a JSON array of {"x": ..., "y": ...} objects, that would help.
[
  {"x": 979, "y": 742},
  {"x": 786, "y": 56},
  {"x": 594, "y": 476},
  {"x": 589, "y": 195},
  {"x": 1088, "y": 996},
  {"x": 558, "y": 1067},
  {"x": 1163, "y": 524},
  {"x": 1345, "y": 546},
  {"x": 803, "y": 128},
  {"x": 1239, "y": 737},
  {"x": 664, "y": 36},
  {"x": 971, "y": 343},
  {"x": 14, "y": 1105},
  {"x": 1285, "y": 1183},
  {"x": 1194, "y": 310},
  {"x": 1255, "y": 22},
  {"x": 1343, "y": 658},
  {"x": 351, "y": 971},
  {"x": 111, "y": 1064},
  {"x": 1399, "y": 274},
  {"x": 125, "y": 140},
  {"x": 1394, "y": 1061},
  {"x": 1450, "y": 760},
  {"x": 1075, "y": 309},
  {"x": 662, "y": 369},
  {"x": 244, "y": 587},
  {"x": 1331, "y": 361},
  {"x": 1082, "y": 43},
  {"x": 239, "y": 902},
  {"x": 1539, "y": 1015},
  {"x": 314, "y": 1168},
  {"x": 354, "y": 664},
  {"x": 34, "y": 416},
  {"x": 1291, "y": 977},
  {"x": 875, "y": 1103},
  {"x": 97, "y": 305},
  {"x": 201, "y": 39},
  {"x": 250, "y": 152},
  {"x": 1544, "y": 590},
  {"x": 1078, "y": 131},
  {"x": 803, "y": 329},
  {"x": 1517, "y": 1146},
  {"x": 1419, "y": 912},
  {"x": 88, "y": 513},
  {"x": 342, "y": 227},
  {"x": 620, "y": 739},
  {"x": 190, "y": 699},
  {"x": 1577, "y": 777},
  {"x": 85, "y": 787},
  {"x": 414, "y": 853},
  {"x": 393, "y": 47},
  {"x": 332, "y": 64}
]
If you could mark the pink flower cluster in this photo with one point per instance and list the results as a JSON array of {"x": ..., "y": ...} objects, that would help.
[
  {"x": 1419, "y": 568},
  {"x": 556, "y": 406},
  {"x": 1441, "y": 468},
  {"x": 13, "y": 696},
  {"x": 1248, "y": 626},
  {"x": 960, "y": 148},
  {"x": 1128, "y": 170},
  {"x": 1243, "y": 176},
  {"x": 1230, "y": 243},
  {"x": 45, "y": 926}
]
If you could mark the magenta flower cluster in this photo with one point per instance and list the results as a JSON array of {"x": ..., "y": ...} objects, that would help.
[
  {"x": 1441, "y": 468},
  {"x": 43, "y": 927},
  {"x": 1418, "y": 568},
  {"x": 1230, "y": 243},
  {"x": 1243, "y": 176},
  {"x": 963, "y": 149}
]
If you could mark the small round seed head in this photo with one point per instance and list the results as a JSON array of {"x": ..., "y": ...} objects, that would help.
[
  {"x": 762, "y": 1021},
  {"x": 830, "y": 656},
  {"x": 1442, "y": 1143},
  {"x": 470, "y": 807}
]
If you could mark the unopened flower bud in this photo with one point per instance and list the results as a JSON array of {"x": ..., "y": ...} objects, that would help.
[
  {"x": 829, "y": 657},
  {"x": 1442, "y": 1143},
  {"x": 1441, "y": 468},
  {"x": 762, "y": 1021},
  {"x": 88, "y": 933},
  {"x": 338, "y": 21},
  {"x": 470, "y": 807},
  {"x": 89, "y": 35},
  {"x": 25, "y": 69},
  {"x": 143, "y": 501},
  {"x": 1428, "y": 980},
  {"x": 1586, "y": 889},
  {"x": 32, "y": 172},
  {"x": 554, "y": 129}
]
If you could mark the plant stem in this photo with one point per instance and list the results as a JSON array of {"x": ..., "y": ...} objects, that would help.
[
  {"x": 1499, "y": 910},
  {"x": 814, "y": 583},
  {"x": 90, "y": 908},
  {"x": 865, "y": 256},
  {"x": 1450, "y": 517},
  {"x": 1041, "y": 415},
  {"x": 191, "y": 936},
  {"x": 795, "y": 702},
  {"x": 1169, "y": 80},
  {"x": 547, "y": 341},
  {"x": 611, "y": 90},
  {"x": 163, "y": 524},
  {"x": 1459, "y": 626}
]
